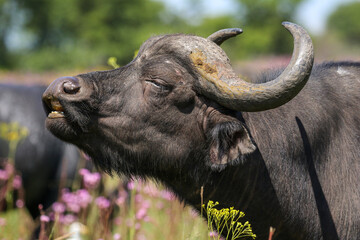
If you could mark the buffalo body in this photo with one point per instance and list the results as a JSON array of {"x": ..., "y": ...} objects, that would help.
[
  {"x": 294, "y": 167},
  {"x": 40, "y": 158}
]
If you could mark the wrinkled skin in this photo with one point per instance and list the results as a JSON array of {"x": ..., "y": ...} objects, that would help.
[
  {"x": 40, "y": 158},
  {"x": 294, "y": 167}
]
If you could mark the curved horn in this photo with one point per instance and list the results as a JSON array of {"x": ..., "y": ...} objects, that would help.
[
  {"x": 222, "y": 35},
  {"x": 219, "y": 82}
]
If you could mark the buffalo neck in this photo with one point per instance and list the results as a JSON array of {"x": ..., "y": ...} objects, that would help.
[{"x": 249, "y": 180}]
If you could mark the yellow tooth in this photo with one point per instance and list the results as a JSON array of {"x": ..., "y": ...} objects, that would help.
[
  {"x": 56, "y": 114},
  {"x": 56, "y": 106}
]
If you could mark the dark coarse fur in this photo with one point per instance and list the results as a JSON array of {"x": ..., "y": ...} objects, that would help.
[
  {"x": 313, "y": 137},
  {"x": 295, "y": 167}
]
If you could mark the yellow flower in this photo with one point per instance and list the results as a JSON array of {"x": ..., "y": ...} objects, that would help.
[
  {"x": 12, "y": 132},
  {"x": 112, "y": 61},
  {"x": 227, "y": 218}
]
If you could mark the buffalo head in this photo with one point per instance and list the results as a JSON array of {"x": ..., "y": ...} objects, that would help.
[{"x": 170, "y": 112}]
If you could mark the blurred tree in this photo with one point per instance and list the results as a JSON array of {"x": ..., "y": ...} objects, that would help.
[
  {"x": 266, "y": 12},
  {"x": 345, "y": 22},
  {"x": 5, "y": 19},
  {"x": 261, "y": 21},
  {"x": 262, "y": 24},
  {"x": 83, "y": 33}
]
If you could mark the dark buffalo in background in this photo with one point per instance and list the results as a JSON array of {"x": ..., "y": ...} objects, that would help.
[
  {"x": 43, "y": 161},
  {"x": 178, "y": 113}
]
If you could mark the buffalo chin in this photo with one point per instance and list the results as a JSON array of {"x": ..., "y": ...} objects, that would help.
[{"x": 61, "y": 129}]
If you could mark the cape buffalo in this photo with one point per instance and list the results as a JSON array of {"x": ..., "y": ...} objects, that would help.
[
  {"x": 41, "y": 159},
  {"x": 178, "y": 113}
]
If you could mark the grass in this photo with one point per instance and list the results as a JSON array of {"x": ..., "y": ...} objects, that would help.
[
  {"x": 16, "y": 224},
  {"x": 138, "y": 211},
  {"x": 99, "y": 207},
  {"x": 147, "y": 213}
]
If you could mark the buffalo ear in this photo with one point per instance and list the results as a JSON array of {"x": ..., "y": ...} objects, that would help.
[{"x": 229, "y": 144}]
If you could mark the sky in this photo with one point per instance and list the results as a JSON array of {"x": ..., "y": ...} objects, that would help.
[{"x": 312, "y": 14}]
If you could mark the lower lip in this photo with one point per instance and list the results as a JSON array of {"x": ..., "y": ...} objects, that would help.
[{"x": 56, "y": 114}]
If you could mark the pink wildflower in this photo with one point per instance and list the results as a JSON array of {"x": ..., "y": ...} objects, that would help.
[
  {"x": 84, "y": 198},
  {"x": 145, "y": 204},
  {"x": 84, "y": 171},
  {"x": 151, "y": 190},
  {"x": 167, "y": 195},
  {"x": 44, "y": 218},
  {"x": 2, "y": 222},
  {"x": 141, "y": 213},
  {"x": 102, "y": 202},
  {"x": 4, "y": 175},
  {"x": 194, "y": 213},
  {"x": 138, "y": 198},
  {"x": 19, "y": 203},
  {"x": 92, "y": 180},
  {"x": 75, "y": 201},
  {"x": 9, "y": 168},
  {"x": 118, "y": 221},
  {"x": 131, "y": 185},
  {"x": 58, "y": 207},
  {"x": 140, "y": 237},
  {"x": 117, "y": 236},
  {"x": 17, "y": 182},
  {"x": 71, "y": 201},
  {"x": 137, "y": 226},
  {"x": 213, "y": 234},
  {"x": 121, "y": 198},
  {"x": 67, "y": 219}
]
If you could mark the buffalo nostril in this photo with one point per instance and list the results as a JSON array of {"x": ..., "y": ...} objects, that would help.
[{"x": 71, "y": 86}]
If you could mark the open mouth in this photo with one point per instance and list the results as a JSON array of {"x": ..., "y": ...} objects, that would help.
[
  {"x": 56, "y": 114},
  {"x": 56, "y": 121},
  {"x": 54, "y": 109}
]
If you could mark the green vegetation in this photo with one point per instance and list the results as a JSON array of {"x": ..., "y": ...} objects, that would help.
[
  {"x": 81, "y": 34},
  {"x": 146, "y": 212},
  {"x": 85, "y": 212},
  {"x": 13, "y": 133},
  {"x": 58, "y": 34},
  {"x": 345, "y": 22},
  {"x": 93, "y": 210},
  {"x": 261, "y": 21}
]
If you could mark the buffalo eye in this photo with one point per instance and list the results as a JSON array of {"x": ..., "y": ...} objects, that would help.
[{"x": 159, "y": 85}]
